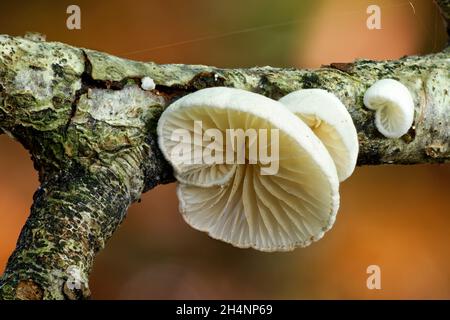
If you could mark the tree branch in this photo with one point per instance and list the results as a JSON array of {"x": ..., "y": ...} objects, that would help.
[{"x": 90, "y": 130}]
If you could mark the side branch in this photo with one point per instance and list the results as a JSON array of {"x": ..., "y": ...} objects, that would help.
[{"x": 71, "y": 218}]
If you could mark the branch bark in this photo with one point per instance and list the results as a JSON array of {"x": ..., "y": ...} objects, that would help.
[{"x": 90, "y": 130}]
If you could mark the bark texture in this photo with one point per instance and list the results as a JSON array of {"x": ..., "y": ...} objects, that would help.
[{"x": 90, "y": 130}]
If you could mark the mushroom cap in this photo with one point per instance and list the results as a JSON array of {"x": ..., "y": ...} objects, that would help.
[
  {"x": 268, "y": 212},
  {"x": 330, "y": 121},
  {"x": 147, "y": 83},
  {"x": 394, "y": 107}
]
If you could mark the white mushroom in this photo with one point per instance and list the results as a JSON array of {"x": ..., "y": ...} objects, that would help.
[
  {"x": 394, "y": 107},
  {"x": 248, "y": 204},
  {"x": 328, "y": 118},
  {"x": 147, "y": 83}
]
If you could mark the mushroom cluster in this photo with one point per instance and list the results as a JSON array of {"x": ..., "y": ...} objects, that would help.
[{"x": 256, "y": 172}]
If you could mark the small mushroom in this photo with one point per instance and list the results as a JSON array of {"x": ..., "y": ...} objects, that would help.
[
  {"x": 246, "y": 204},
  {"x": 147, "y": 83},
  {"x": 330, "y": 121},
  {"x": 394, "y": 107}
]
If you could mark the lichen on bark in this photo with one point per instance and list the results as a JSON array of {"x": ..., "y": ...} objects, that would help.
[
  {"x": 90, "y": 130},
  {"x": 73, "y": 214}
]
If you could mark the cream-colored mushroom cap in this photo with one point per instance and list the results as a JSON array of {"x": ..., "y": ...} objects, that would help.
[
  {"x": 328, "y": 118},
  {"x": 394, "y": 107},
  {"x": 243, "y": 203}
]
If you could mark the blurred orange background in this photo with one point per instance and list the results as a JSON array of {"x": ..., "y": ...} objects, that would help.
[{"x": 397, "y": 217}]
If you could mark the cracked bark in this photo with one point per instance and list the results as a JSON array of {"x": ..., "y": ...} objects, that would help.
[{"x": 90, "y": 130}]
